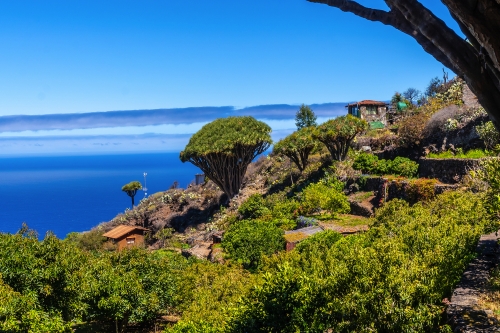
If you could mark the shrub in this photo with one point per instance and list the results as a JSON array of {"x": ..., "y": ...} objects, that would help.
[
  {"x": 319, "y": 242},
  {"x": 253, "y": 207},
  {"x": 371, "y": 164},
  {"x": 391, "y": 279},
  {"x": 489, "y": 134},
  {"x": 303, "y": 222},
  {"x": 489, "y": 174},
  {"x": 316, "y": 197},
  {"x": 411, "y": 129},
  {"x": 246, "y": 241},
  {"x": 422, "y": 189},
  {"x": 402, "y": 166}
]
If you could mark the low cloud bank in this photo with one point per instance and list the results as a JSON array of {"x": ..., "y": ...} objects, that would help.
[{"x": 156, "y": 117}]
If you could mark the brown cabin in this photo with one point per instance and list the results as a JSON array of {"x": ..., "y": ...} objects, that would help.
[
  {"x": 127, "y": 236},
  {"x": 374, "y": 112}
]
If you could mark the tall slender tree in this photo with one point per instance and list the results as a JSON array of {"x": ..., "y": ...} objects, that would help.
[{"x": 131, "y": 189}]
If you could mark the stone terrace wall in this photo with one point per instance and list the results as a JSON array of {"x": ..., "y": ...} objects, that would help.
[{"x": 447, "y": 170}]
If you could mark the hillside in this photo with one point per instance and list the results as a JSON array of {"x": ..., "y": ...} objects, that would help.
[{"x": 357, "y": 244}]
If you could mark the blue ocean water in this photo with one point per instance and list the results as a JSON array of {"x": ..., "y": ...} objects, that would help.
[{"x": 74, "y": 193}]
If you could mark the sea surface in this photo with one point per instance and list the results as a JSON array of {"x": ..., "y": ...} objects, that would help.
[{"x": 75, "y": 193}]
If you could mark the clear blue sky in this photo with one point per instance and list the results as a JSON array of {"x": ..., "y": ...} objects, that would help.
[{"x": 86, "y": 56}]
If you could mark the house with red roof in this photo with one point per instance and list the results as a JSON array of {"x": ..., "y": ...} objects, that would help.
[{"x": 374, "y": 112}]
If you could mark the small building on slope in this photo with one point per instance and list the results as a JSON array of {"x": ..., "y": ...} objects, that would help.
[
  {"x": 374, "y": 112},
  {"x": 127, "y": 236}
]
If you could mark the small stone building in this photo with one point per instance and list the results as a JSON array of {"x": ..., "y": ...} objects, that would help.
[
  {"x": 373, "y": 112},
  {"x": 127, "y": 236}
]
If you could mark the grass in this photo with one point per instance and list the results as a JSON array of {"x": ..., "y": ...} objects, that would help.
[
  {"x": 362, "y": 196},
  {"x": 295, "y": 237},
  {"x": 347, "y": 220},
  {"x": 473, "y": 153}
]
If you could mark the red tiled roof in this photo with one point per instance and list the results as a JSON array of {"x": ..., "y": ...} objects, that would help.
[
  {"x": 122, "y": 230},
  {"x": 368, "y": 102}
]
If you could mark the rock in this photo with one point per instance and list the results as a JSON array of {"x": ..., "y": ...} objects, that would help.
[
  {"x": 200, "y": 251},
  {"x": 216, "y": 256},
  {"x": 360, "y": 209}
]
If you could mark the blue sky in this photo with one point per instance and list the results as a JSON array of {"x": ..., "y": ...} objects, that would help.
[{"x": 65, "y": 57}]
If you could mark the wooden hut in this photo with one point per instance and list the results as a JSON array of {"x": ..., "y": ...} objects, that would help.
[{"x": 127, "y": 236}]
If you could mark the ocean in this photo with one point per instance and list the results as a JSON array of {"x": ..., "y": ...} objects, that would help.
[{"x": 75, "y": 193}]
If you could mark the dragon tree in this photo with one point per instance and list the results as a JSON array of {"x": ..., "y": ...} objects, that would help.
[
  {"x": 337, "y": 134},
  {"x": 224, "y": 148},
  {"x": 131, "y": 189}
]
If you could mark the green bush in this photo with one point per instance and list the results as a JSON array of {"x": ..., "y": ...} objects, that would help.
[
  {"x": 253, "y": 207},
  {"x": 246, "y": 241},
  {"x": 56, "y": 283},
  {"x": 402, "y": 166},
  {"x": 391, "y": 279},
  {"x": 489, "y": 175},
  {"x": 371, "y": 164},
  {"x": 316, "y": 197},
  {"x": 489, "y": 134}
]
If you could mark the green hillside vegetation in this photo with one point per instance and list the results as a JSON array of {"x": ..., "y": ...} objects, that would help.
[{"x": 390, "y": 278}]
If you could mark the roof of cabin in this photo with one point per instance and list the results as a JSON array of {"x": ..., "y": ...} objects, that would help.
[
  {"x": 368, "y": 102},
  {"x": 122, "y": 230},
  {"x": 301, "y": 234}
]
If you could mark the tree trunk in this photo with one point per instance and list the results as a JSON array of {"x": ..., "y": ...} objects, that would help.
[{"x": 476, "y": 59}]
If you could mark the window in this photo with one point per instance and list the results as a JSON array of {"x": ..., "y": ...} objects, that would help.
[
  {"x": 130, "y": 240},
  {"x": 371, "y": 109}
]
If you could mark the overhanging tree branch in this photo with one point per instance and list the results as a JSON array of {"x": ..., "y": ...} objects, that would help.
[{"x": 478, "y": 62}]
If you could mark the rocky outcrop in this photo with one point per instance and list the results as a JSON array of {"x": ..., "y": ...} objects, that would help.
[{"x": 449, "y": 170}]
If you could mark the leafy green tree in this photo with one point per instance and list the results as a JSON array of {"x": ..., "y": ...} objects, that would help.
[
  {"x": 412, "y": 95},
  {"x": 337, "y": 134},
  {"x": 224, "y": 148},
  {"x": 433, "y": 87},
  {"x": 305, "y": 117},
  {"x": 246, "y": 241},
  {"x": 131, "y": 189},
  {"x": 297, "y": 146}
]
